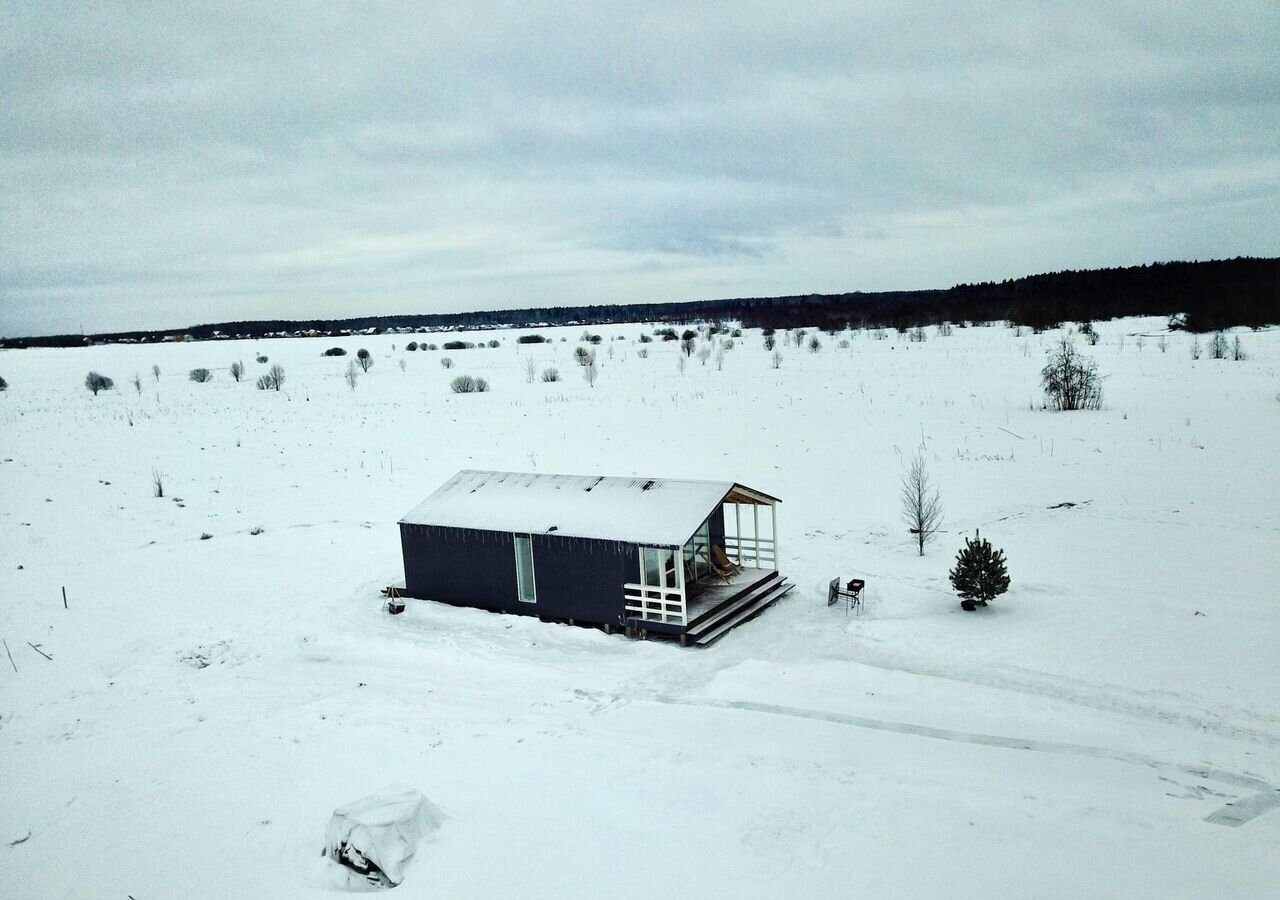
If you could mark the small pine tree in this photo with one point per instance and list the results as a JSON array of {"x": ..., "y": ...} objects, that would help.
[{"x": 980, "y": 574}]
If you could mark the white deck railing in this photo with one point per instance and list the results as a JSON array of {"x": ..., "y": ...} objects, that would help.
[
  {"x": 758, "y": 553},
  {"x": 655, "y": 604}
]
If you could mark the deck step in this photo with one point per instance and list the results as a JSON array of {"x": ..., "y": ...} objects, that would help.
[
  {"x": 741, "y": 610},
  {"x": 703, "y": 618}
]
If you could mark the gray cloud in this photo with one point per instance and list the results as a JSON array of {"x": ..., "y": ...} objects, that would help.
[{"x": 165, "y": 166}]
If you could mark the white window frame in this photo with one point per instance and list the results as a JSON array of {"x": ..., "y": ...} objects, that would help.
[{"x": 533, "y": 576}]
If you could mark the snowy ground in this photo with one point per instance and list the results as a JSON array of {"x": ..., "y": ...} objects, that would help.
[{"x": 210, "y": 702}]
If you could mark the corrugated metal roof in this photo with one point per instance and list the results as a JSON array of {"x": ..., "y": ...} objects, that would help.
[{"x": 660, "y": 511}]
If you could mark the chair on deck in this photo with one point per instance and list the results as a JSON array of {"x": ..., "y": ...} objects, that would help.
[
  {"x": 722, "y": 560},
  {"x": 852, "y": 594}
]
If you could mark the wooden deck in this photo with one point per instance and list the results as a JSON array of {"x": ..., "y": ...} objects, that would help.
[{"x": 713, "y": 591}]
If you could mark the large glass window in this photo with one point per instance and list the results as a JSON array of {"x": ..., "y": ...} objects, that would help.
[{"x": 524, "y": 569}]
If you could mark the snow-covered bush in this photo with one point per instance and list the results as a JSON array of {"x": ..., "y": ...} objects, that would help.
[
  {"x": 1071, "y": 381},
  {"x": 96, "y": 382},
  {"x": 200, "y": 376},
  {"x": 1237, "y": 350},
  {"x": 980, "y": 574}
]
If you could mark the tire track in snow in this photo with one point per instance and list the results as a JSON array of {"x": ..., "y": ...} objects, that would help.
[{"x": 1234, "y": 814}]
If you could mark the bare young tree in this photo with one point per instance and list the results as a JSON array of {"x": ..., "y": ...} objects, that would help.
[
  {"x": 237, "y": 370},
  {"x": 1237, "y": 350},
  {"x": 921, "y": 502},
  {"x": 591, "y": 371},
  {"x": 155, "y": 370},
  {"x": 352, "y": 375},
  {"x": 1195, "y": 347},
  {"x": 776, "y": 359},
  {"x": 1071, "y": 381},
  {"x": 530, "y": 369},
  {"x": 364, "y": 360},
  {"x": 277, "y": 376},
  {"x": 137, "y": 382},
  {"x": 95, "y": 382},
  {"x": 1218, "y": 347}
]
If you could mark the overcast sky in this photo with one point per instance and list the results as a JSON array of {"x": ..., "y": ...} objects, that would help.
[{"x": 267, "y": 160}]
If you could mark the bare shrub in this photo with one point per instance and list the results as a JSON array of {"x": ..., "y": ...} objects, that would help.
[
  {"x": 814, "y": 344},
  {"x": 719, "y": 357},
  {"x": 262, "y": 360},
  {"x": 769, "y": 342},
  {"x": 403, "y": 364},
  {"x": 4, "y": 385},
  {"x": 551, "y": 374},
  {"x": 776, "y": 359},
  {"x": 1195, "y": 347},
  {"x": 200, "y": 376},
  {"x": 364, "y": 360},
  {"x": 704, "y": 353},
  {"x": 237, "y": 370},
  {"x": 1218, "y": 346},
  {"x": 582, "y": 356},
  {"x": 277, "y": 376},
  {"x": 1071, "y": 381},
  {"x": 1163, "y": 344},
  {"x": 265, "y": 383},
  {"x": 157, "y": 482},
  {"x": 98, "y": 382},
  {"x": 917, "y": 335},
  {"x": 1237, "y": 350},
  {"x": 137, "y": 382},
  {"x": 352, "y": 375},
  {"x": 465, "y": 384},
  {"x": 945, "y": 330},
  {"x": 446, "y": 362},
  {"x": 155, "y": 370},
  {"x": 643, "y": 353},
  {"x": 921, "y": 502}
]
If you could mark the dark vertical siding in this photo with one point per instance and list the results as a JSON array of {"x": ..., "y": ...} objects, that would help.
[{"x": 576, "y": 578}]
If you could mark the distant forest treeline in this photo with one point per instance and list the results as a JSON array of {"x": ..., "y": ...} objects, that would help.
[{"x": 1211, "y": 295}]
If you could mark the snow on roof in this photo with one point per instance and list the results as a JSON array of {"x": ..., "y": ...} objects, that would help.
[{"x": 660, "y": 511}]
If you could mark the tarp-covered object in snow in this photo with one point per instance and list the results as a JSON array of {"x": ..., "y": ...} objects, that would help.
[{"x": 381, "y": 832}]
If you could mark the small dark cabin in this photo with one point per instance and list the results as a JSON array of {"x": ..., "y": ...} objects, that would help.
[{"x": 686, "y": 559}]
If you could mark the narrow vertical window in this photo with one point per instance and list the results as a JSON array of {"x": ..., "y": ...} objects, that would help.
[{"x": 525, "y": 590}]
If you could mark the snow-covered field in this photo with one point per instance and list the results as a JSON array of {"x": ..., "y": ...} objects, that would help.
[{"x": 1109, "y": 728}]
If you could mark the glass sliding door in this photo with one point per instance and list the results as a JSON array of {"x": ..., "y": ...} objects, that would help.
[
  {"x": 697, "y": 551},
  {"x": 525, "y": 590}
]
